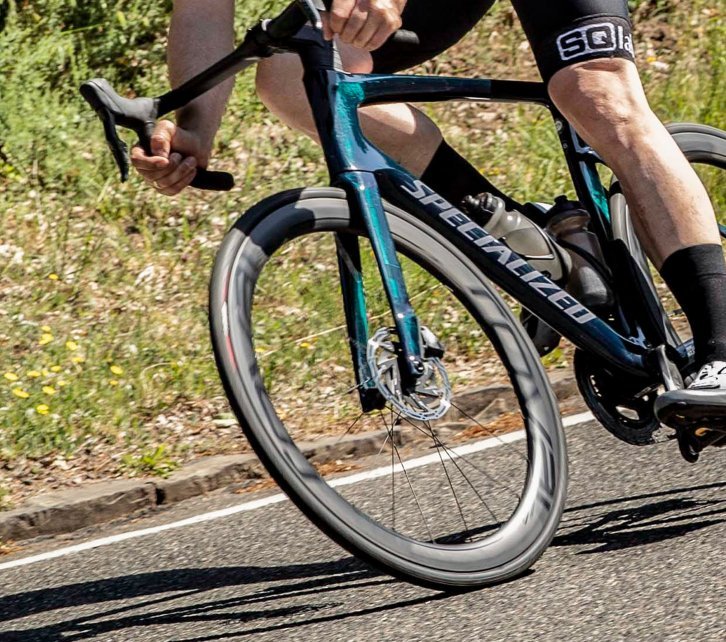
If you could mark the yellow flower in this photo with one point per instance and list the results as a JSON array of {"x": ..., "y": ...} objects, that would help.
[
  {"x": 78, "y": 359},
  {"x": 117, "y": 370},
  {"x": 19, "y": 392},
  {"x": 55, "y": 368},
  {"x": 71, "y": 345},
  {"x": 42, "y": 409},
  {"x": 306, "y": 345},
  {"x": 45, "y": 373},
  {"x": 62, "y": 383},
  {"x": 49, "y": 390},
  {"x": 45, "y": 328},
  {"x": 53, "y": 277},
  {"x": 11, "y": 376},
  {"x": 33, "y": 374},
  {"x": 45, "y": 338},
  {"x": 113, "y": 382}
]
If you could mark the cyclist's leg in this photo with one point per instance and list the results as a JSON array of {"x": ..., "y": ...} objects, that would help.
[
  {"x": 404, "y": 132},
  {"x": 584, "y": 50}
]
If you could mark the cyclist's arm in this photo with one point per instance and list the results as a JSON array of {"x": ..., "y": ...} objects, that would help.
[{"x": 201, "y": 32}]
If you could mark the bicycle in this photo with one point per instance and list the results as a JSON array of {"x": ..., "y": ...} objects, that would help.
[{"x": 505, "y": 492}]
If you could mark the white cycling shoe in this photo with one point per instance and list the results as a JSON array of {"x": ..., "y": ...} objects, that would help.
[
  {"x": 711, "y": 377},
  {"x": 701, "y": 407}
]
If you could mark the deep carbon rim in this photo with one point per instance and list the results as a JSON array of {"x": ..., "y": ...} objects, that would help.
[{"x": 522, "y": 540}]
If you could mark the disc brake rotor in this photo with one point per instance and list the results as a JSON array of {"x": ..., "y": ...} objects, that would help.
[{"x": 431, "y": 398}]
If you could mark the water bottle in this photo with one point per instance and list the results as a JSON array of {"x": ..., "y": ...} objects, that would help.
[
  {"x": 520, "y": 234},
  {"x": 568, "y": 224}
]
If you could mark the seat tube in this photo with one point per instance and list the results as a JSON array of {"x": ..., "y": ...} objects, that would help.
[{"x": 365, "y": 200}]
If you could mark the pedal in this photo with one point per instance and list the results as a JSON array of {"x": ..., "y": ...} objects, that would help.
[
  {"x": 711, "y": 436},
  {"x": 692, "y": 440},
  {"x": 689, "y": 446}
]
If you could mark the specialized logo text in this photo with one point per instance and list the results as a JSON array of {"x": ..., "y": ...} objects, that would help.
[{"x": 506, "y": 257}]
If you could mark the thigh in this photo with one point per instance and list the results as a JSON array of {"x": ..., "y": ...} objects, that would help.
[
  {"x": 565, "y": 32},
  {"x": 439, "y": 26}
]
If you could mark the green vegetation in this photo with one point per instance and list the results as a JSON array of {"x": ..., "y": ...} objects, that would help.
[
  {"x": 105, "y": 349},
  {"x": 152, "y": 462}
]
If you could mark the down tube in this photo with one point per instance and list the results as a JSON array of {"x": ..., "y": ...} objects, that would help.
[{"x": 514, "y": 275}]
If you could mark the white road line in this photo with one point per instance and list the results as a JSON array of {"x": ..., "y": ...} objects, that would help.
[{"x": 280, "y": 497}]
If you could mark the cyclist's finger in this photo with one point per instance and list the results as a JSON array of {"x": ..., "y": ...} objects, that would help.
[
  {"x": 162, "y": 137},
  {"x": 179, "y": 169},
  {"x": 371, "y": 26},
  {"x": 151, "y": 176},
  {"x": 339, "y": 14},
  {"x": 353, "y": 25},
  {"x": 385, "y": 31},
  {"x": 327, "y": 29},
  {"x": 144, "y": 163},
  {"x": 181, "y": 184},
  {"x": 156, "y": 178}
]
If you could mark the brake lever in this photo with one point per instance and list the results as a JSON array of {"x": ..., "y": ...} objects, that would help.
[
  {"x": 119, "y": 149},
  {"x": 138, "y": 115}
]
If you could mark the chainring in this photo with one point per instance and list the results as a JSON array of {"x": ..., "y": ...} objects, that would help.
[{"x": 620, "y": 404}]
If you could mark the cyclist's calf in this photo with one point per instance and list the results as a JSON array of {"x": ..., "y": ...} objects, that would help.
[{"x": 605, "y": 101}]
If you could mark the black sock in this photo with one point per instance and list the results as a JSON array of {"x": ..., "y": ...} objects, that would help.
[
  {"x": 697, "y": 278},
  {"x": 452, "y": 176}
]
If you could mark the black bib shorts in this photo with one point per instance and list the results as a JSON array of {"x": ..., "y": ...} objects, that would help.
[{"x": 561, "y": 32}]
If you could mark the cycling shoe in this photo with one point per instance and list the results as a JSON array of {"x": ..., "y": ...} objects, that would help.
[
  {"x": 712, "y": 376},
  {"x": 683, "y": 408},
  {"x": 699, "y": 410}
]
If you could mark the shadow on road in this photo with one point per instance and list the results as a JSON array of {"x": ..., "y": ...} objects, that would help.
[
  {"x": 175, "y": 597},
  {"x": 187, "y": 596},
  {"x": 642, "y": 519}
]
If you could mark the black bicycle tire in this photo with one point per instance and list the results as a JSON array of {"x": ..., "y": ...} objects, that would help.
[
  {"x": 699, "y": 144},
  {"x": 426, "y": 565}
]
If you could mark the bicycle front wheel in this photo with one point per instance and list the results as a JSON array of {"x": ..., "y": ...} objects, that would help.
[{"x": 463, "y": 487}]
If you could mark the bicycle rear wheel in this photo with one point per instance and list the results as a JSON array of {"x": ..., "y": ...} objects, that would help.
[
  {"x": 468, "y": 498},
  {"x": 622, "y": 407}
]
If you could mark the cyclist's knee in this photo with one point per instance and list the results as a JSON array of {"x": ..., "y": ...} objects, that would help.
[{"x": 604, "y": 98}]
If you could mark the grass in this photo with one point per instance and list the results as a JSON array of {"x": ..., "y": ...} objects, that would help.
[{"x": 103, "y": 286}]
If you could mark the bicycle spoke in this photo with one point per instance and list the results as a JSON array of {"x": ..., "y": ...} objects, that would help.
[
  {"x": 491, "y": 432},
  {"x": 451, "y": 485},
  {"x": 454, "y": 456},
  {"x": 408, "y": 480}
]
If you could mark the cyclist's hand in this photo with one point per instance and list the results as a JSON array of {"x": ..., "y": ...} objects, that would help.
[
  {"x": 365, "y": 24},
  {"x": 176, "y": 154}
]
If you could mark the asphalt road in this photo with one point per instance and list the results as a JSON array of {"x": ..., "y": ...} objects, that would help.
[{"x": 639, "y": 556}]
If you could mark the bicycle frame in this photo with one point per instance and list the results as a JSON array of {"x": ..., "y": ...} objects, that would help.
[{"x": 367, "y": 175}]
